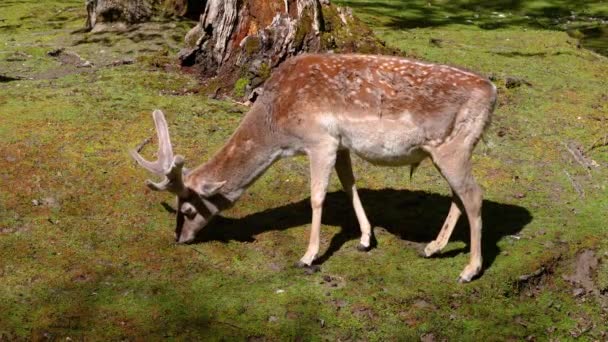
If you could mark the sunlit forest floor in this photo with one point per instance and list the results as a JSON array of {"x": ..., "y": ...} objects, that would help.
[{"x": 87, "y": 251}]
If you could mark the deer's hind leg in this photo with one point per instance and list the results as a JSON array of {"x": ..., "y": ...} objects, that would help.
[
  {"x": 454, "y": 163},
  {"x": 345, "y": 174}
]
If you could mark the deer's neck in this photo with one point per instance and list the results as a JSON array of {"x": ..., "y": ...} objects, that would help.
[{"x": 245, "y": 157}]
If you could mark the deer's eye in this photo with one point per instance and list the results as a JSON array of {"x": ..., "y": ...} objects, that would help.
[{"x": 188, "y": 210}]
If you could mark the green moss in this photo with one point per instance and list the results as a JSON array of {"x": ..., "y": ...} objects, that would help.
[
  {"x": 350, "y": 36},
  {"x": 239, "y": 87},
  {"x": 210, "y": 87},
  {"x": 303, "y": 29},
  {"x": 252, "y": 45},
  {"x": 264, "y": 71}
]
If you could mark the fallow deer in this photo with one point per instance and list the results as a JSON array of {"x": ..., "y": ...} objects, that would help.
[{"x": 387, "y": 110}]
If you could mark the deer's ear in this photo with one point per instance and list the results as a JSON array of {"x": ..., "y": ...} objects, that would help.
[{"x": 208, "y": 189}]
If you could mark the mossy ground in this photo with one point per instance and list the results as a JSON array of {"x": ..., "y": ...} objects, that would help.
[{"x": 95, "y": 258}]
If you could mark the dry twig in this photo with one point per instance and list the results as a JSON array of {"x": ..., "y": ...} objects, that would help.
[
  {"x": 579, "y": 190},
  {"x": 598, "y": 144}
]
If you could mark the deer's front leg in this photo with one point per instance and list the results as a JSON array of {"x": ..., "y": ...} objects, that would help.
[
  {"x": 443, "y": 237},
  {"x": 321, "y": 163}
]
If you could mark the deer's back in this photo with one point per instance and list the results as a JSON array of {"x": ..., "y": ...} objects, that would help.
[{"x": 384, "y": 108}]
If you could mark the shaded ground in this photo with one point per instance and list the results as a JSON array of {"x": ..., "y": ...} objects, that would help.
[
  {"x": 86, "y": 251},
  {"x": 484, "y": 14}
]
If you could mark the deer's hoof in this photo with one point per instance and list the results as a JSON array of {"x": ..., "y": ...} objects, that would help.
[
  {"x": 430, "y": 249},
  {"x": 301, "y": 264},
  {"x": 462, "y": 280},
  {"x": 362, "y": 248},
  {"x": 469, "y": 273}
]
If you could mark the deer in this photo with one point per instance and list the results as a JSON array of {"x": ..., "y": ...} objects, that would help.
[{"x": 387, "y": 110}]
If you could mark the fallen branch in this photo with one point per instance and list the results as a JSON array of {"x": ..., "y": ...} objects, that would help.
[
  {"x": 578, "y": 189},
  {"x": 534, "y": 274},
  {"x": 578, "y": 156}
]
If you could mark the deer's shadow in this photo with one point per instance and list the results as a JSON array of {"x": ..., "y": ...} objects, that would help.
[{"x": 414, "y": 216}]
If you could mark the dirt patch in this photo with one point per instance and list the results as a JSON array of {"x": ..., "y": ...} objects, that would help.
[
  {"x": 584, "y": 269},
  {"x": 69, "y": 58}
]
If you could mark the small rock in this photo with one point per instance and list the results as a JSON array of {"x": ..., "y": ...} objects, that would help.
[
  {"x": 322, "y": 322},
  {"x": 577, "y": 292},
  {"x": 428, "y": 337},
  {"x": 273, "y": 319},
  {"x": 519, "y": 195},
  {"x": 86, "y": 64},
  {"x": 49, "y": 202},
  {"x": 280, "y": 291},
  {"x": 35, "y": 202}
]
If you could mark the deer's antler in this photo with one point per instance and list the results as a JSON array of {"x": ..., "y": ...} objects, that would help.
[{"x": 166, "y": 165}]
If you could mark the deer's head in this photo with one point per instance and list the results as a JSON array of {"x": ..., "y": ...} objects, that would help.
[{"x": 194, "y": 207}]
